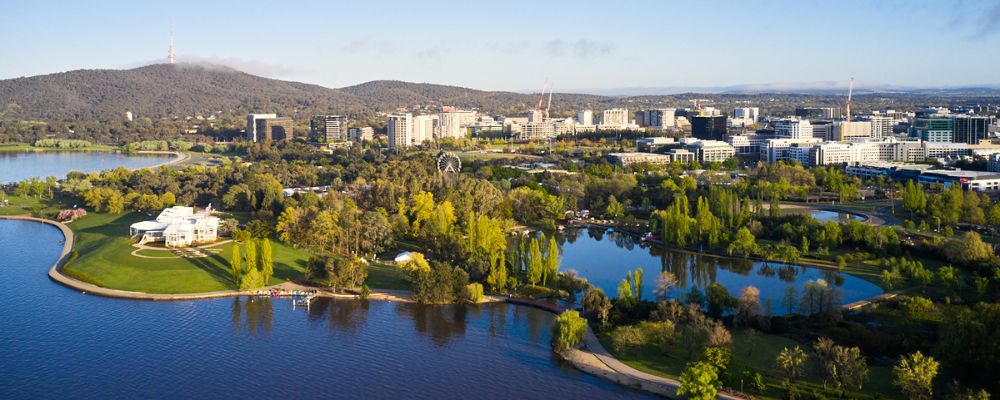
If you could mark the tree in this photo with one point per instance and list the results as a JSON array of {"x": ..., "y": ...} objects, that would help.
[
  {"x": 915, "y": 375},
  {"x": 235, "y": 265},
  {"x": 551, "y": 267},
  {"x": 719, "y": 299},
  {"x": 614, "y": 210},
  {"x": 747, "y": 306},
  {"x": 699, "y": 381},
  {"x": 536, "y": 267},
  {"x": 266, "y": 262},
  {"x": 967, "y": 249},
  {"x": 346, "y": 273},
  {"x": 744, "y": 243},
  {"x": 789, "y": 299},
  {"x": 847, "y": 368},
  {"x": 568, "y": 330},
  {"x": 251, "y": 257},
  {"x": 625, "y": 297},
  {"x": 665, "y": 282},
  {"x": 497, "y": 278},
  {"x": 792, "y": 361}
]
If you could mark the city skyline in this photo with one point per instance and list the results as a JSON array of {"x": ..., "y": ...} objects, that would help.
[{"x": 579, "y": 47}]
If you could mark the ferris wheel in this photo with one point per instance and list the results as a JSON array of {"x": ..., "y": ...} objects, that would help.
[{"x": 449, "y": 163}]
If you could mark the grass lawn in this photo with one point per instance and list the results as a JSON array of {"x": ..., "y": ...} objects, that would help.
[
  {"x": 105, "y": 259},
  {"x": 386, "y": 276},
  {"x": 21, "y": 147},
  {"x": 17, "y": 205},
  {"x": 757, "y": 351}
]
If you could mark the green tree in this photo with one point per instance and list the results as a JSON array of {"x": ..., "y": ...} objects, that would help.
[
  {"x": 497, "y": 278},
  {"x": 251, "y": 257},
  {"x": 915, "y": 375},
  {"x": 637, "y": 277},
  {"x": 266, "y": 260},
  {"x": 744, "y": 243},
  {"x": 614, "y": 210},
  {"x": 967, "y": 249},
  {"x": 792, "y": 361},
  {"x": 235, "y": 265},
  {"x": 699, "y": 381},
  {"x": 551, "y": 267},
  {"x": 568, "y": 330},
  {"x": 536, "y": 267}
]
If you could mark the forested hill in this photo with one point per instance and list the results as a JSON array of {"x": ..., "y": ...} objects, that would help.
[
  {"x": 389, "y": 95},
  {"x": 163, "y": 90}
]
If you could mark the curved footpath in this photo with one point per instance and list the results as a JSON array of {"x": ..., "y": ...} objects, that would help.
[
  {"x": 179, "y": 158},
  {"x": 591, "y": 358}
]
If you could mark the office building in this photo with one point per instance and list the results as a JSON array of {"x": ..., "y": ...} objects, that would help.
[
  {"x": 399, "y": 130},
  {"x": 709, "y": 127},
  {"x": 793, "y": 129},
  {"x": 585, "y": 117},
  {"x": 615, "y": 117},
  {"x": 329, "y": 129},
  {"x": 361, "y": 134},
  {"x": 654, "y": 143},
  {"x": 269, "y": 127},
  {"x": 971, "y": 129},
  {"x": 818, "y": 112},
  {"x": 450, "y": 124},
  {"x": 853, "y": 131},
  {"x": 933, "y": 128},
  {"x": 744, "y": 116},
  {"x": 657, "y": 118},
  {"x": 774, "y": 150},
  {"x": 422, "y": 128},
  {"x": 711, "y": 150}
]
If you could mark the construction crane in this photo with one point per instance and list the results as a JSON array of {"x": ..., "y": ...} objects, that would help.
[
  {"x": 847, "y": 105},
  {"x": 541, "y": 97},
  {"x": 549, "y": 106}
]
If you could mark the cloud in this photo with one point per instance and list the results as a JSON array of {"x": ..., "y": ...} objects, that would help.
[
  {"x": 584, "y": 49},
  {"x": 252, "y": 67}
]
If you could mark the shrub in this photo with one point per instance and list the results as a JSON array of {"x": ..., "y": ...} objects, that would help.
[{"x": 474, "y": 292}]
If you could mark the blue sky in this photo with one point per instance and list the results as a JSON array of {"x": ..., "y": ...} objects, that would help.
[{"x": 515, "y": 45}]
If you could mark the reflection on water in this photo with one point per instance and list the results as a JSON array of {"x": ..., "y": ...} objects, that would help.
[
  {"x": 604, "y": 257},
  {"x": 57, "y": 342},
  {"x": 253, "y": 314}
]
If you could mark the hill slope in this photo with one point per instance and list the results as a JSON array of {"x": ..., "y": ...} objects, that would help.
[{"x": 163, "y": 90}]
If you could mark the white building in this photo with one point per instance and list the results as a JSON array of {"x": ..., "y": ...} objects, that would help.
[
  {"x": 881, "y": 127},
  {"x": 793, "y": 129},
  {"x": 585, "y": 117},
  {"x": 251, "y": 132},
  {"x": 712, "y": 150},
  {"x": 774, "y": 150},
  {"x": 399, "y": 129},
  {"x": 178, "y": 226},
  {"x": 615, "y": 117},
  {"x": 450, "y": 125},
  {"x": 744, "y": 116},
  {"x": 423, "y": 128}
]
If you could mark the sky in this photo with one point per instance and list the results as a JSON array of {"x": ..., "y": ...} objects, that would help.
[{"x": 516, "y": 45}]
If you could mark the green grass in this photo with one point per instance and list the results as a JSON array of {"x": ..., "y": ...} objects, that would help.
[
  {"x": 757, "y": 351},
  {"x": 21, "y": 147},
  {"x": 105, "y": 257},
  {"x": 384, "y": 276},
  {"x": 18, "y": 205}
]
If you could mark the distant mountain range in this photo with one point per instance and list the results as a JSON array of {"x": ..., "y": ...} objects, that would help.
[{"x": 178, "y": 90}]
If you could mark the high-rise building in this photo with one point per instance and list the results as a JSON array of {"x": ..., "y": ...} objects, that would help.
[
  {"x": 881, "y": 127},
  {"x": 615, "y": 117},
  {"x": 399, "y": 130},
  {"x": 708, "y": 127},
  {"x": 657, "y": 118},
  {"x": 793, "y": 129},
  {"x": 933, "y": 129},
  {"x": 422, "y": 128},
  {"x": 971, "y": 129},
  {"x": 330, "y": 128},
  {"x": 744, "y": 116},
  {"x": 450, "y": 125},
  {"x": 818, "y": 112},
  {"x": 585, "y": 117},
  {"x": 853, "y": 131},
  {"x": 268, "y": 127}
]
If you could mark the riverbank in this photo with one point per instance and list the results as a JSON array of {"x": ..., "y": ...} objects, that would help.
[
  {"x": 25, "y": 147},
  {"x": 179, "y": 157}
]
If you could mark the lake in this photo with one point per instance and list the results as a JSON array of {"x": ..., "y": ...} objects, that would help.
[
  {"x": 15, "y": 166},
  {"x": 59, "y": 343},
  {"x": 603, "y": 258}
]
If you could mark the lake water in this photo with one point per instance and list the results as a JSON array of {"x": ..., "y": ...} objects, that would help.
[
  {"x": 603, "y": 258},
  {"x": 842, "y": 217},
  {"x": 15, "y": 167},
  {"x": 59, "y": 343}
]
